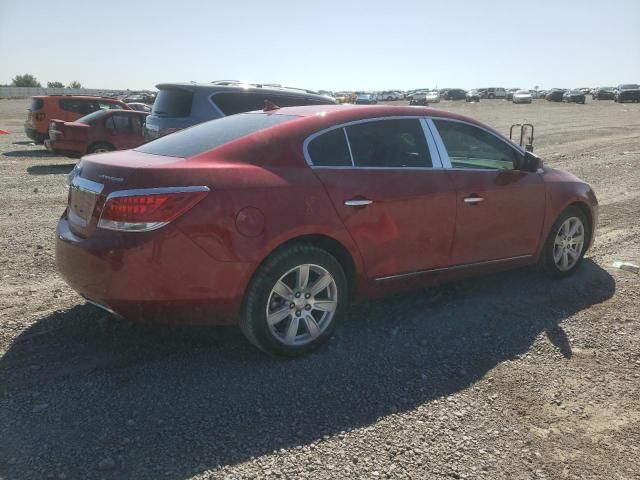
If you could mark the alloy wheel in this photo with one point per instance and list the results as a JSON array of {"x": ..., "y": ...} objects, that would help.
[
  {"x": 302, "y": 304},
  {"x": 568, "y": 244}
]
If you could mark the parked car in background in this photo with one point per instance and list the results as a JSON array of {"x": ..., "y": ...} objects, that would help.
[
  {"x": 573, "y": 96},
  {"x": 494, "y": 92},
  {"x": 43, "y": 109},
  {"x": 472, "y": 96},
  {"x": 147, "y": 98},
  {"x": 190, "y": 228},
  {"x": 555, "y": 95},
  {"x": 98, "y": 132},
  {"x": 140, "y": 107},
  {"x": 521, "y": 96},
  {"x": 344, "y": 97},
  {"x": 629, "y": 92},
  {"x": 603, "y": 93},
  {"x": 366, "y": 99},
  {"x": 390, "y": 95},
  {"x": 453, "y": 94},
  {"x": 510, "y": 92},
  {"x": 419, "y": 98},
  {"x": 433, "y": 96},
  {"x": 181, "y": 105}
]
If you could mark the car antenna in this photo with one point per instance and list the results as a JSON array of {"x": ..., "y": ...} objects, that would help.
[{"x": 270, "y": 106}]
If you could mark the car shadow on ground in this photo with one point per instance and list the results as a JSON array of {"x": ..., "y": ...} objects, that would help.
[
  {"x": 40, "y": 153},
  {"x": 176, "y": 401},
  {"x": 50, "y": 169}
]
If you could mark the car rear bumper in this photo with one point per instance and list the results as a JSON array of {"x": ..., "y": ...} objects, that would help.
[{"x": 156, "y": 277}]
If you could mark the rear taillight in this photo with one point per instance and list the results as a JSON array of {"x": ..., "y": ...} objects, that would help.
[{"x": 144, "y": 210}]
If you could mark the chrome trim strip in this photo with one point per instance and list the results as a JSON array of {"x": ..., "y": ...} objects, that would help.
[
  {"x": 86, "y": 185},
  {"x": 442, "y": 151},
  {"x": 455, "y": 267},
  {"x": 473, "y": 200},
  {"x": 102, "y": 307},
  {"x": 305, "y": 145},
  {"x": 155, "y": 191},
  {"x": 358, "y": 203}
]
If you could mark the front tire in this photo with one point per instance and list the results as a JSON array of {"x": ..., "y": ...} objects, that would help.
[
  {"x": 294, "y": 302},
  {"x": 566, "y": 245}
]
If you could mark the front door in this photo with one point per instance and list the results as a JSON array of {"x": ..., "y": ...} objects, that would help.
[
  {"x": 399, "y": 210},
  {"x": 500, "y": 208}
]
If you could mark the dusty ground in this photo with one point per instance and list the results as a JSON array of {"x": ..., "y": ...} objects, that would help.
[{"x": 510, "y": 376}]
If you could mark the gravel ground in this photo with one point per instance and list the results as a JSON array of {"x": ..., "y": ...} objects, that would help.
[{"x": 509, "y": 376}]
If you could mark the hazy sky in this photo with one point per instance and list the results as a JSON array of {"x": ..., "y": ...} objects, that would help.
[{"x": 323, "y": 44}]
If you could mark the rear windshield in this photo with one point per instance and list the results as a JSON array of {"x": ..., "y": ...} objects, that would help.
[
  {"x": 211, "y": 134},
  {"x": 173, "y": 102},
  {"x": 36, "y": 104},
  {"x": 630, "y": 86}
]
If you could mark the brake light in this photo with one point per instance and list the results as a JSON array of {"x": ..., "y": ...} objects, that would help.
[{"x": 144, "y": 210}]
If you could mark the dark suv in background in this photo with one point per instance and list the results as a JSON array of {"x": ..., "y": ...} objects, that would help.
[
  {"x": 629, "y": 92},
  {"x": 181, "y": 105}
]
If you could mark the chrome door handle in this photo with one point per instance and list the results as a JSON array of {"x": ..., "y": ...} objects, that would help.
[
  {"x": 473, "y": 200},
  {"x": 358, "y": 202}
]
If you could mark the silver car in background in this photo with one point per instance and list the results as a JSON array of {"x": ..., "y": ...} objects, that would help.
[{"x": 522, "y": 96}]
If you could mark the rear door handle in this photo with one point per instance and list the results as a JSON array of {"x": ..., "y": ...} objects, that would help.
[
  {"x": 473, "y": 200},
  {"x": 358, "y": 202}
]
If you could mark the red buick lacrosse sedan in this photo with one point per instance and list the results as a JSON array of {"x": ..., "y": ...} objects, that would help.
[{"x": 277, "y": 220}]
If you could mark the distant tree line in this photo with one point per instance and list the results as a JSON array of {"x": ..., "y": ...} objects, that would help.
[{"x": 28, "y": 80}]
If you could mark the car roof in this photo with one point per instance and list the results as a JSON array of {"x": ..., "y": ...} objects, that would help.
[
  {"x": 83, "y": 97},
  {"x": 336, "y": 114},
  {"x": 234, "y": 87}
]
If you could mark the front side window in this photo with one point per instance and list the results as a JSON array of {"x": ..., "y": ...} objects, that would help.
[
  {"x": 81, "y": 106},
  {"x": 330, "y": 149},
  {"x": 472, "y": 147},
  {"x": 389, "y": 143}
]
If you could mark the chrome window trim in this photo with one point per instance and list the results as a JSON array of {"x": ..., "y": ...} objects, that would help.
[
  {"x": 436, "y": 160},
  {"x": 442, "y": 149},
  {"x": 420, "y": 118},
  {"x": 453, "y": 267},
  {"x": 346, "y": 138}
]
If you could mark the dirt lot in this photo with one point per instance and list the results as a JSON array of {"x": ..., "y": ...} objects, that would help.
[{"x": 510, "y": 376}]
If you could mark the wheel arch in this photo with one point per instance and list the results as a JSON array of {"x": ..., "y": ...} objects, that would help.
[
  {"x": 93, "y": 144},
  {"x": 331, "y": 245}
]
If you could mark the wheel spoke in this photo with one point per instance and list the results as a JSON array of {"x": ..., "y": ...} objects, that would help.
[
  {"x": 573, "y": 254},
  {"x": 312, "y": 325},
  {"x": 574, "y": 228},
  {"x": 283, "y": 290},
  {"x": 303, "y": 276},
  {"x": 557, "y": 254},
  {"x": 277, "y": 316},
  {"x": 323, "y": 282},
  {"x": 578, "y": 239},
  {"x": 325, "y": 305},
  {"x": 565, "y": 260},
  {"x": 292, "y": 330}
]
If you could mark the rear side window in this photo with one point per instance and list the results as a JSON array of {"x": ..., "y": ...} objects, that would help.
[
  {"x": 231, "y": 103},
  {"x": 211, "y": 134},
  {"x": 36, "y": 104},
  {"x": 330, "y": 149},
  {"x": 173, "y": 102},
  {"x": 389, "y": 143},
  {"x": 78, "y": 105}
]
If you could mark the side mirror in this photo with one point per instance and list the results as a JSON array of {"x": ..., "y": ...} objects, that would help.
[{"x": 530, "y": 162}]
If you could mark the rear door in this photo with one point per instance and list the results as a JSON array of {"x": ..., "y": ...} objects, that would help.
[
  {"x": 395, "y": 201},
  {"x": 124, "y": 130},
  {"x": 500, "y": 209}
]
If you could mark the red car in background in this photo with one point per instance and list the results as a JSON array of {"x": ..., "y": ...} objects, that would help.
[
  {"x": 98, "y": 132},
  {"x": 278, "y": 219}
]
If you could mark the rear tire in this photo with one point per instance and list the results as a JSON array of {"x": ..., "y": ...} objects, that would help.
[
  {"x": 566, "y": 244},
  {"x": 101, "y": 148},
  {"x": 288, "y": 310}
]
